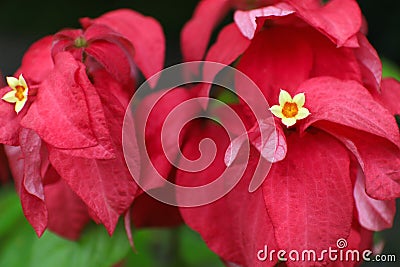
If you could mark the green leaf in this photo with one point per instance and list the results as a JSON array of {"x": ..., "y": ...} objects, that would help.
[
  {"x": 10, "y": 209},
  {"x": 228, "y": 97},
  {"x": 389, "y": 69},
  {"x": 20, "y": 247},
  {"x": 171, "y": 248},
  {"x": 95, "y": 248},
  {"x": 195, "y": 252}
]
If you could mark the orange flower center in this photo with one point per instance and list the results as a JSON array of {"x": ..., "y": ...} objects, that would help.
[
  {"x": 20, "y": 92},
  {"x": 290, "y": 110}
]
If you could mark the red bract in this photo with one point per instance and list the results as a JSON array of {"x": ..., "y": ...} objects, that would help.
[
  {"x": 157, "y": 161},
  {"x": 4, "y": 170},
  {"x": 70, "y": 163},
  {"x": 309, "y": 198},
  {"x": 208, "y": 14},
  {"x": 390, "y": 95},
  {"x": 237, "y": 225}
]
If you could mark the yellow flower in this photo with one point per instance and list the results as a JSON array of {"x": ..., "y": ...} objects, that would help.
[
  {"x": 19, "y": 93},
  {"x": 290, "y": 109}
]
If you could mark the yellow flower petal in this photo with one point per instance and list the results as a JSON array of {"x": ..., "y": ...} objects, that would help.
[
  {"x": 288, "y": 121},
  {"x": 12, "y": 82},
  {"x": 277, "y": 111},
  {"x": 299, "y": 99},
  {"x": 22, "y": 81},
  {"x": 10, "y": 97},
  {"x": 284, "y": 97},
  {"x": 19, "y": 90},
  {"x": 302, "y": 114},
  {"x": 20, "y": 105}
]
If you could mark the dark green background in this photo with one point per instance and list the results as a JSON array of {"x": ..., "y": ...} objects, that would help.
[{"x": 24, "y": 21}]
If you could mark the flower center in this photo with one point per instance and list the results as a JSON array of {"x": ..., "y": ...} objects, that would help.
[
  {"x": 80, "y": 42},
  {"x": 19, "y": 94},
  {"x": 290, "y": 110}
]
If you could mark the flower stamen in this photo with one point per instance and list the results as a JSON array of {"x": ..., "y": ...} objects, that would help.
[
  {"x": 20, "y": 92},
  {"x": 290, "y": 109}
]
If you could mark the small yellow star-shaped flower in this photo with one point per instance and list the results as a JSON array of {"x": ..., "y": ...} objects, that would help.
[
  {"x": 18, "y": 94},
  {"x": 290, "y": 109}
]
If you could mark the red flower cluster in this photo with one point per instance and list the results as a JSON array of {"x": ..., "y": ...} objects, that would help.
[
  {"x": 340, "y": 175},
  {"x": 69, "y": 164}
]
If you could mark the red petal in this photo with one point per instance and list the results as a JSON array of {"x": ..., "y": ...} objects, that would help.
[
  {"x": 117, "y": 64},
  {"x": 273, "y": 148},
  {"x": 159, "y": 147},
  {"x": 59, "y": 113},
  {"x": 237, "y": 226},
  {"x": 37, "y": 61},
  {"x": 105, "y": 186},
  {"x": 196, "y": 34},
  {"x": 67, "y": 213},
  {"x": 309, "y": 194},
  {"x": 16, "y": 161},
  {"x": 340, "y": 20},
  {"x": 35, "y": 211},
  {"x": 104, "y": 42},
  {"x": 365, "y": 236},
  {"x": 330, "y": 60},
  {"x": 379, "y": 159},
  {"x": 246, "y": 20},
  {"x": 228, "y": 47},
  {"x": 9, "y": 121},
  {"x": 347, "y": 103},
  {"x": 67, "y": 34},
  {"x": 277, "y": 58},
  {"x": 374, "y": 215},
  {"x": 26, "y": 165},
  {"x": 359, "y": 239},
  {"x": 370, "y": 63},
  {"x": 65, "y": 41},
  {"x": 104, "y": 149},
  {"x": 244, "y": 112},
  {"x": 31, "y": 151},
  {"x": 390, "y": 95},
  {"x": 145, "y": 34},
  {"x": 128, "y": 228}
]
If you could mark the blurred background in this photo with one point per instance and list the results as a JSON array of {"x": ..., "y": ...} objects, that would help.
[{"x": 22, "y": 22}]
